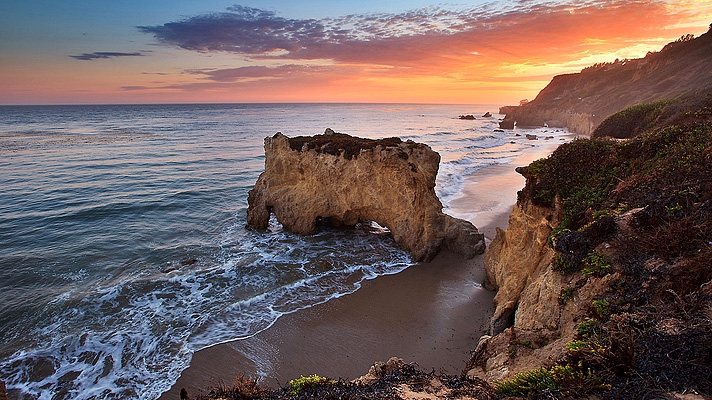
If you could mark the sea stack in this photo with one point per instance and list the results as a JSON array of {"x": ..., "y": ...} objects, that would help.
[{"x": 345, "y": 180}]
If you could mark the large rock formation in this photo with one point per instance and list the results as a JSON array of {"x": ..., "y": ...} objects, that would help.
[
  {"x": 583, "y": 100},
  {"x": 345, "y": 180}
]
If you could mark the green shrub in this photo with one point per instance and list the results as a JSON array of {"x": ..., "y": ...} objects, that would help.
[
  {"x": 560, "y": 264},
  {"x": 588, "y": 328},
  {"x": 601, "y": 307},
  {"x": 581, "y": 172},
  {"x": 566, "y": 295},
  {"x": 595, "y": 264},
  {"x": 593, "y": 345},
  {"x": 304, "y": 382},
  {"x": 631, "y": 121},
  {"x": 576, "y": 345},
  {"x": 619, "y": 209},
  {"x": 539, "y": 380}
]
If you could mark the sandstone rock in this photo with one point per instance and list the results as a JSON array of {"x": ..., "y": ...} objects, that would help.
[
  {"x": 345, "y": 180},
  {"x": 516, "y": 257},
  {"x": 380, "y": 369},
  {"x": 539, "y": 306}
]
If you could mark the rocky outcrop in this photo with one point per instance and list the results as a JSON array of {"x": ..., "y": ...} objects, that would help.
[
  {"x": 622, "y": 282},
  {"x": 532, "y": 323},
  {"x": 344, "y": 180},
  {"x": 583, "y": 100},
  {"x": 579, "y": 122},
  {"x": 516, "y": 257},
  {"x": 380, "y": 369}
]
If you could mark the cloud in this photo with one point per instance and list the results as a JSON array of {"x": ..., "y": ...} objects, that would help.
[
  {"x": 240, "y": 30},
  {"x": 425, "y": 37},
  {"x": 258, "y": 72},
  {"x": 135, "y": 87},
  {"x": 104, "y": 54},
  {"x": 503, "y": 46}
]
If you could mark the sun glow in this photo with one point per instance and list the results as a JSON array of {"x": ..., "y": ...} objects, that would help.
[{"x": 477, "y": 54}]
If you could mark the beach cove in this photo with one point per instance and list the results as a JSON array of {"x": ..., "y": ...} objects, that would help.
[
  {"x": 431, "y": 314},
  {"x": 126, "y": 251}
]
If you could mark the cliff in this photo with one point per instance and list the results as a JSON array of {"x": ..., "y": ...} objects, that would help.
[
  {"x": 583, "y": 100},
  {"x": 604, "y": 275},
  {"x": 344, "y": 180}
]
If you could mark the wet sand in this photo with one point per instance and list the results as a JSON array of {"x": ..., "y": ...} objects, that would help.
[{"x": 432, "y": 313}]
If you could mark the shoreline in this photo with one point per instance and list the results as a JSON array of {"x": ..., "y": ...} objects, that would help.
[
  {"x": 423, "y": 314},
  {"x": 432, "y": 314}
]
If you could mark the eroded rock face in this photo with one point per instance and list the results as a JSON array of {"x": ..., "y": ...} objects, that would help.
[
  {"x": 345, "y": 180},
  {"x": 516, "y": 258}
]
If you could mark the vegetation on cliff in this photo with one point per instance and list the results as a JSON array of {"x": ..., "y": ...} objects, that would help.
[
  {"x": 336, "y": 144},
  {"x": 394, "y": 385},
  {"x": 637, "y": 219}
]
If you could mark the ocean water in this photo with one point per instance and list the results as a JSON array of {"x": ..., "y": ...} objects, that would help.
[{"x": 123, "y": 247}]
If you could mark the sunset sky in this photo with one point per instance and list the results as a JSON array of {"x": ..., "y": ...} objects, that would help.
[{"x": 417, "y": 51}]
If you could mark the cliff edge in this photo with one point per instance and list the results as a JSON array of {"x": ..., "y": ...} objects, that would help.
[
  {"x": 604, "y": 274},
  {"x": 583, "y": 100},
  {"x": 344, "y": 180}
]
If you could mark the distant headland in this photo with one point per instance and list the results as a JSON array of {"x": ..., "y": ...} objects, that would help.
[{"x": 581, "y": 101}]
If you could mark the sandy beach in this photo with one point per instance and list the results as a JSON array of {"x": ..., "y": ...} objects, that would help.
[{"x": 431, "y": 314}]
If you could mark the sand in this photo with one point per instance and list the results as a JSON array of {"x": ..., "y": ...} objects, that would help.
[{"x": 432, "y": 313}]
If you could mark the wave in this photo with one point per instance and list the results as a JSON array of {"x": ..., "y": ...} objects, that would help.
[{"x": 131, "y": 336}]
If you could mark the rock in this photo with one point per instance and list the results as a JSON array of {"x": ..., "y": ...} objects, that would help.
[
  {"x": 517, "y": 256},
  {"x": 469, "y": 116},
  {"x": 345, "y": 180},
  {"x": 380, "y": 369},
  {"x": 487, "y": 115},
  {"x": 506, "y": 123},
  {"x": 531, "y": 137},
  {"x": 3, "y": 391},
  {"x": 554, "y": 123},
  {"x": 507, "y": 109}
]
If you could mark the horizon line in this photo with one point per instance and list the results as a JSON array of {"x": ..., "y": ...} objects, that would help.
[{"x": 245, "y": 103}]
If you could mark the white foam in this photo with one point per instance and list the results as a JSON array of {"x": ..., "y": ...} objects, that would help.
[{"x": 132, "y": 337}]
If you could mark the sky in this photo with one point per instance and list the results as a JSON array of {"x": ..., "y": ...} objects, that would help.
[{"x": 373, "y": 51}]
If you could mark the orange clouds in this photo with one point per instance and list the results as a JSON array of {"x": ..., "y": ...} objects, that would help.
[{"x": 496, "y": 53}]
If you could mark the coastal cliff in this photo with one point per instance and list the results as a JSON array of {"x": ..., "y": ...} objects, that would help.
[
  {"x": 604, "y": 276},
  {"x": 344, "y": 180},
  {"x": 583, "y": 100}
]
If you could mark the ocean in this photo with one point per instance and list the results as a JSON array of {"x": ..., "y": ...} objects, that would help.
[{"x": 123, "y": 247}]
